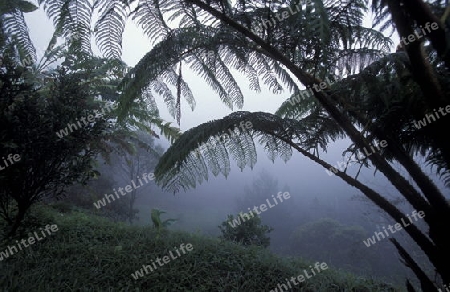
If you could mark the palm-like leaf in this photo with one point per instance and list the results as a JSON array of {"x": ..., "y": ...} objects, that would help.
[
  {"x": 72, "y": 19},
  {"x": 200, "y": 149},
  {"x": 157, "y": 222},
  {"x": 109, "y": 28},
  {"x": 331, "y": 23},
  {"x": 14, "y": 28}
]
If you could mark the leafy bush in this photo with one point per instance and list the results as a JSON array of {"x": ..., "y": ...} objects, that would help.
[
  {"x": 38, "y": 126},
  {"x": 247, "y": 232}
]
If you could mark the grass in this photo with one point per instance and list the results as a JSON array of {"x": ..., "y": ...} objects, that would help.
[{"x": 90, "y": 253}]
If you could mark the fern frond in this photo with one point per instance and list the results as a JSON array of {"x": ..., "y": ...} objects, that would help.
[
  {"x": 298, "y": 106},
  {"x": 171, "y": 133},
  {"x": 382, "y": 15},
  {"x": 109, "y": 28},
  {"x": 72, "y": 18},
  {"x": 149, "y": 16},
  {"x": 318, "y": 128},
  {"x": 172, "y": 78},
  {"x": 206, "y": 148},
  {"x": 262, "y": 65},
  {"x": 14, "y": 24},
  {"x": 319, "y": 23},
  {"x": 182, "y": 44},
  {"x": 207, "y": 73}
]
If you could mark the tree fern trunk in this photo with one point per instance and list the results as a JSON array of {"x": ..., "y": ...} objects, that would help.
[{"x": 425, "y": 282}]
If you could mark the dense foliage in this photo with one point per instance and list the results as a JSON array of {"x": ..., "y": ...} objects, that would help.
[
  {"x": 89, "y": 253},
  {"x": 31, "y": 118},
  {"x": 249, "y": 230}
]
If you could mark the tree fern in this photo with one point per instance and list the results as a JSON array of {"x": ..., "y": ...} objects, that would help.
[
  {"x": 339, "y": 46},
  {"x": 331, "y": 24}
]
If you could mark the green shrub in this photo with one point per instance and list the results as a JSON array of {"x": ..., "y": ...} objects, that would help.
[{"x": 247, "y": 232}]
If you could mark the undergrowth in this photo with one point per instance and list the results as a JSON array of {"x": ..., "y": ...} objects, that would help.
[{"x": 90, "y": 253}]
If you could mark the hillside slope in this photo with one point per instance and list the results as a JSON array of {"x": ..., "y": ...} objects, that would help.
[{"x": 89, "y": 253}]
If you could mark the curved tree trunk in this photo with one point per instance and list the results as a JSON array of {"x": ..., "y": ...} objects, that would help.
[
  {"x": 433, "y": 252},
  {"x": 425, "y": 282},
  {"x": 399, "y": 182}
]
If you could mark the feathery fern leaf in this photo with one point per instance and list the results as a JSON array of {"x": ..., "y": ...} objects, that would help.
[
  {"x": 149, "y": 16},
  {"x": 109, "y": 28},
  {"x": 72, "y": 18},
  {"x": 13, "y": 24},
  {"x": 201, "y": 149}
]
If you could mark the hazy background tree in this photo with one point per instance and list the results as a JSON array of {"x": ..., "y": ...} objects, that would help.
[{"x": 263, "y": 187}]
